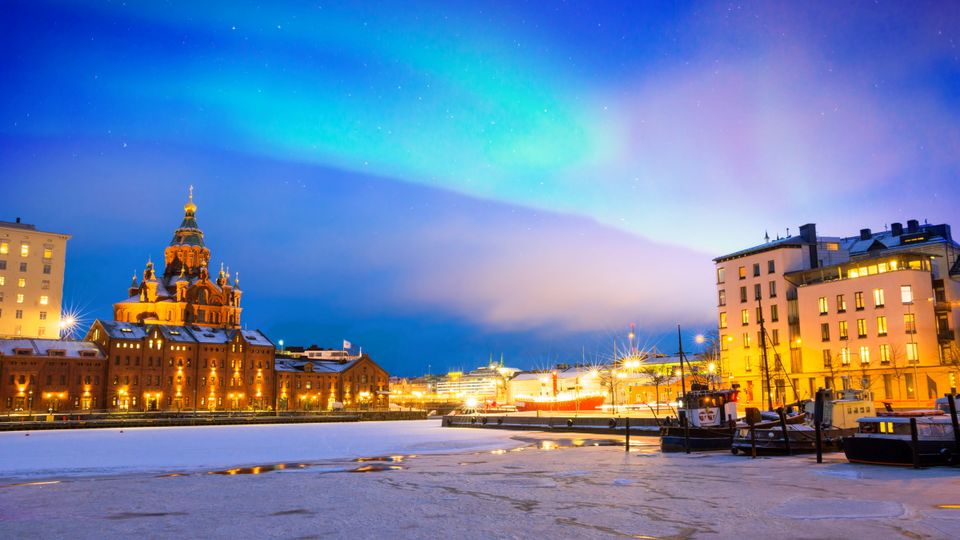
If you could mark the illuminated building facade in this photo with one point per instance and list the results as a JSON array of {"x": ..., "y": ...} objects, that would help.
[
  {"x": 875, "y": 311},
  {"x": 487, "y": 383},
  {"x": 31, "y": 280},
  {"x": 40, "y": 375},
  {"x": 323, "y": 382}
]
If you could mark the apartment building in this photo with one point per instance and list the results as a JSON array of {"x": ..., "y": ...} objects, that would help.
[
  {"x": 31, "y": 280},
  {"x": 875, "y": 311}
]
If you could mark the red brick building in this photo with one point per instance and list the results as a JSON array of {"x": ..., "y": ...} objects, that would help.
[
  {"x": 328, "y": 384},
  {"x": 50, "y": 375}
]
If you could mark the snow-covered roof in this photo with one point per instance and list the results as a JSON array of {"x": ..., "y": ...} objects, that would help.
[
  {"x": 182, "y": 334},
  {"x": 42, "y": 347}
]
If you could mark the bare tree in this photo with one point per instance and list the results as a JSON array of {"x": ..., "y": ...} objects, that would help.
[{"x": 658, "y": 375}]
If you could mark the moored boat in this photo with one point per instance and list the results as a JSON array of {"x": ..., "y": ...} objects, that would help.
[
  {"x": 840, "y": 413},
  {"x": 707, "y": 420},
  {"x": 583, "y": 403},
  {"x": 887, "y": 438}
]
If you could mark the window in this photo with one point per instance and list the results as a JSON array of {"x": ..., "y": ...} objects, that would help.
[
  {"x": 756, "y": 269},
  {"x": 824, "y": 331},
  {"x": 723, "y": 319},
  {"x": 775, "y": 336},
  {"x": 858, "y": 300},
  {"x": 881, "y": 326},
  {"x": 46, "y": 269},
  {"x": 742, "y": 272},
  {"x": 45, "y": 284},
  {"x": 822, "y": 302},
  {"x": 20, "y": 298},
  {"x": 773, "y": 289},
  {"x": 771, "y": 267},
  {"x": 4, "y": 248},
  {"x": 47, "y": 253},
  {"x": 878, "y": 297},
  {"x": 827, "y": 358},
  {"x": 743, "y": 294},
  {"x": 759, "y": 313},
  {"x": 861, "y": 328},
  {"x": 910, "y": 323},
  {"x": 21, "y": 282},
  {"x": 43, "y": 315},
  {"x": 18, "y": 314},
  {"x": 845, "y": 356},
  {"x": 864, "y": 354},
  {"x": 841, "y": 304},
  {"x": 721, "y": 275},
  {"x": 23, "y": 267},
  {"x": 723, "y": 341},
  {"x": 757, "y": 291},
  {"x": 906, "y": 294},
  {"x": 884, "y": 354},
  {"x": 912, "y": 355},
  {"x": 24, "y": 249},
  {"x": 774, "y": 313},
  {"x": 3, "y": 280},
  {"x": 744, "y": 317},
  {"x": 746, "y": 340},
  {"x": 44, "y": 300},
  {"x": 842, "y": 329}
]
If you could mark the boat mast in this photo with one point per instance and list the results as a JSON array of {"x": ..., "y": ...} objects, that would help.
[
  {"x": 763, "y": 354},
  {"x": 683, "y": 384}
]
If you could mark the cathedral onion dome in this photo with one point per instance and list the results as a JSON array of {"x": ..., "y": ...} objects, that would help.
[{"x": 189, "y": 232}]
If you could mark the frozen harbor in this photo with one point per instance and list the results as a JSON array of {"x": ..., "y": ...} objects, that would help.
[{"x": 463, "y": 483}]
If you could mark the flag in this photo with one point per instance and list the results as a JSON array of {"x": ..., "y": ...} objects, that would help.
[{"x": 347, "y": 345}]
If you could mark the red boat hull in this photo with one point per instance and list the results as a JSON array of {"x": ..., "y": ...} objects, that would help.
[{"x": 590, "y": 403}]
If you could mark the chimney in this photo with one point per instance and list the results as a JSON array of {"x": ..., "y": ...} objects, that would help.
[
  {"x": 913, "y": 226},
  {"x": 18, "y": 220},
  {"x": 896, "y": 229},
  {"x": 865, "y": 234}
]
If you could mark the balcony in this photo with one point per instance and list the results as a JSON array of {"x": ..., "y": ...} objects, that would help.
[{"x": 945, "y": 335}]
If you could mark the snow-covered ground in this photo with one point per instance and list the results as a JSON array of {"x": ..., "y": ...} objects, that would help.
[
  {"x": 481, "y": 485},
  {"x": 86, "y": 452}
]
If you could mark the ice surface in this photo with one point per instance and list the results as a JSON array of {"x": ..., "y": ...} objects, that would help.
[{"x": 83, "y": 452}]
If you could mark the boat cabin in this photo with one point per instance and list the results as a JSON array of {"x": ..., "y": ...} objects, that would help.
[{"x": 710, "y": 408}]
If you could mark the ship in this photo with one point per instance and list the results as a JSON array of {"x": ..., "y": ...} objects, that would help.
[
  {"x": 707, "y": 421},
  {"x": 582, "y": 403},
  {"x": 887, "y": 438}
]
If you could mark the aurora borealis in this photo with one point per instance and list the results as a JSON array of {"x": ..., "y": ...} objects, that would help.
[{"x": 442, "y": 181}]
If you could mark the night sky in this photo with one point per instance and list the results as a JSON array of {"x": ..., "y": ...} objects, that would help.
[{"x": 438, "y": 182}]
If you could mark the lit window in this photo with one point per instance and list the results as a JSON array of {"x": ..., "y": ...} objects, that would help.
[
  {"x": 861, "y": 328},
  {"x": 4, "y": 248},
  {"x": 885, "y": 354},
  {"x": 20, "y": 298},
  {"x": 878, "y": 297},
  {"x": 746, "y": 340},
  {"x": 864, "y": 355},
  {"x": 3, "y": 280},
  {"x": 845, "y": 356},
  {"x": 841, "y": 304},
  {"x": 881, "y": 326},
  {"x": 745, "y": 316},
  {"x": 832, "y": 246},
  {"x": 21, "y": 282},
  {"x": 910, "y": 323},
  {"x": 843, "y": 329},
  {"x": 912, "y": 355},
  {"x": 721, "y": 301},
  {"x": 47, "y": 253},
  {"x": 822, "y": 302},
  {"x": 721, "y": 274},
  {"x": 742, "y": 272},
  {"x": 906, "y": 294},
  {"x": 44, "y": 300},
  {"x": 858, "y": 299},
  {"x": 24, "y": 249},
  {"x": 723, "y": 319}
]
